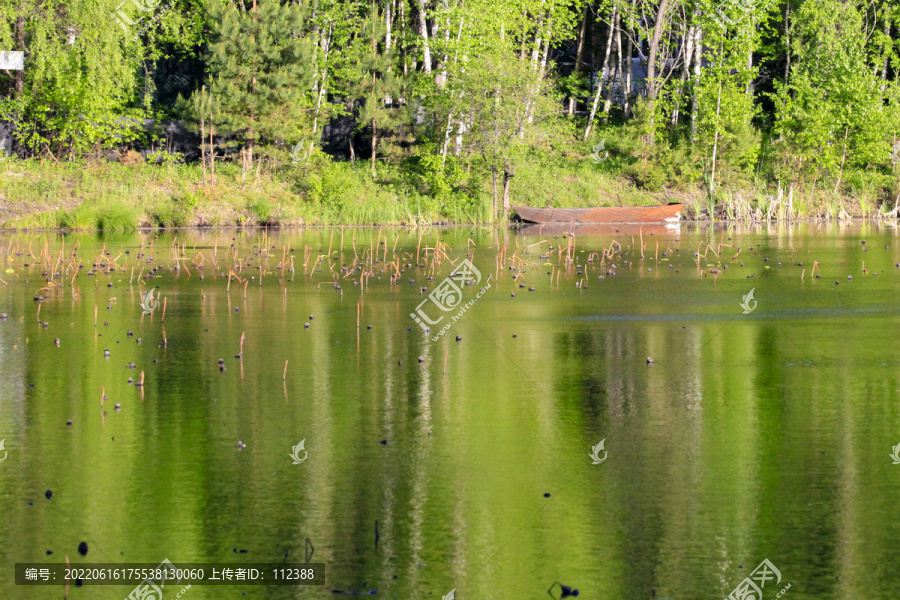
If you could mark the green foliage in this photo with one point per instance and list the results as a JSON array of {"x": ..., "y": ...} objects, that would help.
[
  {"x": 260, "y": 68},
  {"x": 377, "y": 86},
  {"x": 79, "y": 78},
  {"x": 833, "y": 113},
  {"x": 432, "y": 178}
]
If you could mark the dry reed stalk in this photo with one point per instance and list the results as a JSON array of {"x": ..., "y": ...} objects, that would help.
[{"x": 284, "y": 374}]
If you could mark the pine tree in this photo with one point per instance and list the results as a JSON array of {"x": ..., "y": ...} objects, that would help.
[
  {"x": 262, "y": 73},
  {"x": 378, "y": 84}
]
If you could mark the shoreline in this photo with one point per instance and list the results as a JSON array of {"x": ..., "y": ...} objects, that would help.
[
  {"x": 109, "y": 196},
  {"x": 512, "y": 225}
]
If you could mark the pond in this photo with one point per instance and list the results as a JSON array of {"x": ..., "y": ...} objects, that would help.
[{"x": 637, "y": 414}]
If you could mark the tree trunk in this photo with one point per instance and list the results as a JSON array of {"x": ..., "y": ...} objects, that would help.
[
  {"x": 202, "y": 149},
  {"x": 750, "y": 84},
  {"x": 243, "y": 166},
  {"x": 374, "y": 145},
  {"x": 626, "y": 68},
  {"x": 20, "y": 37},
  {"x": 507, "y": 177},
  {"x": 685, "y": 69},
  {"x": 446, "y": 139},
  {"x": 546, "y": 52},
  {"x": 578, "y": 53},
  {"x": 787, "y": 41},
  {"x": 601, "y": 80},
  {"x": 494, "y": 185},
  {"x": 652, "y": 84},
  {"x": 616, "y": 70},
  {"x": 212, "y": 155},
  {"x": 886, "y": 61},
  {"x": 423, "y": 31},
  {"x": 712, "y": 179},
  {"x": 843, "y": 159},
  {"x": 402, "y": 15},
  {"x": 387, "y": 23},
  {"x": 539, "y": 38},
  {"x": 326, "y": 46},
  {"x": 698, "y": 61}
]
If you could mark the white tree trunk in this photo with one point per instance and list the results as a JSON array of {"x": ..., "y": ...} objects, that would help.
[
  {"x": 578, "y": 52},
  {"x": 423, "y": 31},
  {"x": 653, "y": 57},
  {"x": 601, "y": 80},
  {"x": 326, "y": 47},
  {"x": 712, "y": 178},
  {"x": 698, "y": 61},
  {"x": 626, "y": 68},
  {"x": 387, "y": 23},
  {"x": 685, "y": 69},
  {"x": 616, "y": 70}
]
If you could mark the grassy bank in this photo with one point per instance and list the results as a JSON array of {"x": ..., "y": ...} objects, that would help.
[{"x": 116, "y": 196}]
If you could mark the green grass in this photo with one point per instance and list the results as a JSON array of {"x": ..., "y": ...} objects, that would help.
[{"x": 414, "y": 190}]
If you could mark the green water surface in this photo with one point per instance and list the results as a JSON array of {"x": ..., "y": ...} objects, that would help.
[{"x": 764, "y": 435}]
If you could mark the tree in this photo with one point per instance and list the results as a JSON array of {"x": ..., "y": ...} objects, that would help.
[
  {"x": 377, "y": 84},
  {"x": 262, "y": 73},
  {"x": 507, "y": 99},
  {"x": 833, "y": 111},
  {"x": 79, "y": 80}
]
